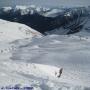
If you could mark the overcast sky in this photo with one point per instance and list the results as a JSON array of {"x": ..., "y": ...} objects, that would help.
[{"x": 47, "y": 2}]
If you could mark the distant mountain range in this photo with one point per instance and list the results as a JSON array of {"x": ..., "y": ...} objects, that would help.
[{"x": 46, "y": 19}]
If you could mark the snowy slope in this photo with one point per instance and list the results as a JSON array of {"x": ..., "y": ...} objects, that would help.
[
  {"x": 26, "y": 60},
  {"x": 10, "y": 31},
  {"x": 43, "y": 57},
  {"x": 35, "y": 63}
]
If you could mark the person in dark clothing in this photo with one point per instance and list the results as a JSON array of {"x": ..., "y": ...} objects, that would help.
[{"x": 60, "y": 72}]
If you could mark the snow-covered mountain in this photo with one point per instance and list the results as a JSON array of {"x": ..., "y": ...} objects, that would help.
[
  {"x": 27, "y": 58},
  {"x": 70, "y": 20}
]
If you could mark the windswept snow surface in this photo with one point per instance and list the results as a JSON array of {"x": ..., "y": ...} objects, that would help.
[{"x": 36, "y": 62}]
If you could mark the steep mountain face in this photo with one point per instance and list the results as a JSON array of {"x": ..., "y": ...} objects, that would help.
[{"x": 44, "y": 20}]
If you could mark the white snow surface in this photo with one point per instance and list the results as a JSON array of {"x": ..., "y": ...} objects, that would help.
[
  {"x": 10, "y": 31},
  {"x": 27, "y": 60}
]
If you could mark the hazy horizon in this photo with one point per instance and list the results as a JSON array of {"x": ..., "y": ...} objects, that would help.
[{"x": 45, "y": 2}]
